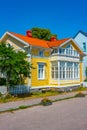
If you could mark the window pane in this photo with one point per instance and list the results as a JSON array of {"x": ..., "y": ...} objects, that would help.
[
  {"x": 41, "y": 71},
  {"x": 54, "y": 70},
  {"x": 41, "y": 53},
  {"x": 84, "y": 46}
]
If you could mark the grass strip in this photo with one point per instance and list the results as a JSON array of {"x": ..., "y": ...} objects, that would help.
[
  {"x": 29, "y": 106},
  {"x": 18, "y": 108}
]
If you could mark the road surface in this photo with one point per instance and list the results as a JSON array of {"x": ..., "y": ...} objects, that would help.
[{"x": 63, "y": 115}]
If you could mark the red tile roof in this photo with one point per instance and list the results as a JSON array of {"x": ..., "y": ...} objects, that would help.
[
  {"x": 58, "y": 42},
  {"x": 39, "y": 42}
]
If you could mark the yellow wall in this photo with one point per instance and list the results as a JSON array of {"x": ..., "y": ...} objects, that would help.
[
  {"x": 34, "y": 78},
  {"x": 47, "y": 53},
  {"x": 81, "y": 71},
  {"x": 64, "y": 82},
  {"x": 35, "y": 52}
]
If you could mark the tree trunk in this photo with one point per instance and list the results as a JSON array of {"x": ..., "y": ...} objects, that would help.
[{"x": 7, "y": 82}]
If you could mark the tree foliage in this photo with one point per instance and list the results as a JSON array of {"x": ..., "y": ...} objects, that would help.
[
  {"x": 42, "y": 33},
  {"x": 13, "y": 65}
]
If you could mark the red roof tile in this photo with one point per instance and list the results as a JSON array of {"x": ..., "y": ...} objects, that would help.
[
  {"x": 39, "y": 42},
  {"x": 57, "y": 42}
]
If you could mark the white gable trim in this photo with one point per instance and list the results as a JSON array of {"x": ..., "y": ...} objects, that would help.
[
  {"x": 77, "y": 44},
  {"x": 25, "y": 43},
  {"x": 65, "y": 42},
  {"x": 7, "y": 33},
  {"x": 74, "y": 43}
]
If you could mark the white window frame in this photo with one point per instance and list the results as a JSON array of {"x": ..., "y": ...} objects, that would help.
[
  {"x": 54, "y": 70},
  {"x": 65, "y": 70},
  {"x": 9, "y": 44},
  {"x": 76, "y": 70},
  {"x": 41, "y": 71},
  {"x": 84, "y": 46},
  {"x": 62, "y": 70},
  {"x": 69, "y": 70}
]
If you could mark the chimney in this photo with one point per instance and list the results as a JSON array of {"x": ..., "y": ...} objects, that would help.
[
  {"x": 53, "y": 38},
  {"x": 29, "y": 33}
]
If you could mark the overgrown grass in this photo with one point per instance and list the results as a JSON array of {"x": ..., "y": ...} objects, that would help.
[
  {"x": 27, "y": 96},
  {"x": 45, "y": 94},
  {"x": 81, "y": 89},
  {"x": 85, "y": 80},
  {"x": 51, "y": 92},
  {"x": 80, "y": 94}
]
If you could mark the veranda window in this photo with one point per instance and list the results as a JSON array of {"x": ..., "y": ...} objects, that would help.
[
  {"x": 62, "y": 70},
  {"x": 69, "y": 70},
  {"x": 76, "y": 70},
  {"x": 54, "y": 71}
]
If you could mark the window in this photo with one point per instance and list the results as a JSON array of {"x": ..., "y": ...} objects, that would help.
[
  {"x": 54, "y": 71},
  {"x": 61, "y": 51},
  {"x": 69, "y": 46},
  {"x": 62, "y": 70},
  {"x": 69, "y": 70},
  {"x": 41, "y": 71},
  {"x": 84, "y": 46},
  {"x": 76, "y": 70},
  {"x": 54, "y": 51},
  {"x": 9, "y": 45},
  {"x": 69, "y": 50},
  {"x": 41, "y": 54}
]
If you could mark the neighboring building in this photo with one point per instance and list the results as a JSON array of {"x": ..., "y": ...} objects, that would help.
[
  {"x": 81, "y": 40},
  {"x": 58, "y": 63}
]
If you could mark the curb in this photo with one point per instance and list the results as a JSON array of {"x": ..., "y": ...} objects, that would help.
[{"x": 37, "y": 104}]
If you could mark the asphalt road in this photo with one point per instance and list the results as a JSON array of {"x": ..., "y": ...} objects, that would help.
[{"x": 64, "y": 115}]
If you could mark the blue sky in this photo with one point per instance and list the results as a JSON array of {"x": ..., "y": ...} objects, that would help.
[{"x": 63, "y": 17}]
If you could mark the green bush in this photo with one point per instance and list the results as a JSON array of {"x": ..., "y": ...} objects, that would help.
[
  {"x": 7, "y": 96},
  {"x": 85, "y": 80},
  {"x": 22, "y": 107},
  {"x": 80, "y": 94},
  {"x": 2, "y": 81},
  {"x": 0, "y": 94},
  {"x": 46, "y": 102}
]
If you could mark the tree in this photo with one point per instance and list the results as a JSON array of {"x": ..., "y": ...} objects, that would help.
[
  {"x": 13, "y": 65},
  {"x": 42, "y": 33}
]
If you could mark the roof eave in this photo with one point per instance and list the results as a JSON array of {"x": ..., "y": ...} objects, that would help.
[{"x": 8, "y": 33}]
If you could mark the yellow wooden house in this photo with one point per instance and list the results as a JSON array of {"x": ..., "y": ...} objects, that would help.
[{"x": 57, "y": 63}]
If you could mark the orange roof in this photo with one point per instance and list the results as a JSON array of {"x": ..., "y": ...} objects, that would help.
[
  {"x": 39, "y": 42},
  {"x": 58, "y": 42}
]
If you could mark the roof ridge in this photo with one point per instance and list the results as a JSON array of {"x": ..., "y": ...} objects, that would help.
[
  {"x": 28, "y": 37},
  {"x": 80, "y": 31},
  {"x": 40, "y": 42},
  {"x": 83, "y": 33}
]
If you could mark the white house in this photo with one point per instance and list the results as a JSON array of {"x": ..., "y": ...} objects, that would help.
[{"x": 81, "y": 40}]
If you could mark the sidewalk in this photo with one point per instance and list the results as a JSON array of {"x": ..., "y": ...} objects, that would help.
[{"x": 30, "y": 102}]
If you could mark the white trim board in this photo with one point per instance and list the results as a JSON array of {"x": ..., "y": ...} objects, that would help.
[
  {"x": 7, "y": 33},
  {"x": 38, "y": 87}
]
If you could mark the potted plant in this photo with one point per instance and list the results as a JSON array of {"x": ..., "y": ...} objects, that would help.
[
  {"x": 80, "y": 94},
  {"x": 46, "y": 102}
]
